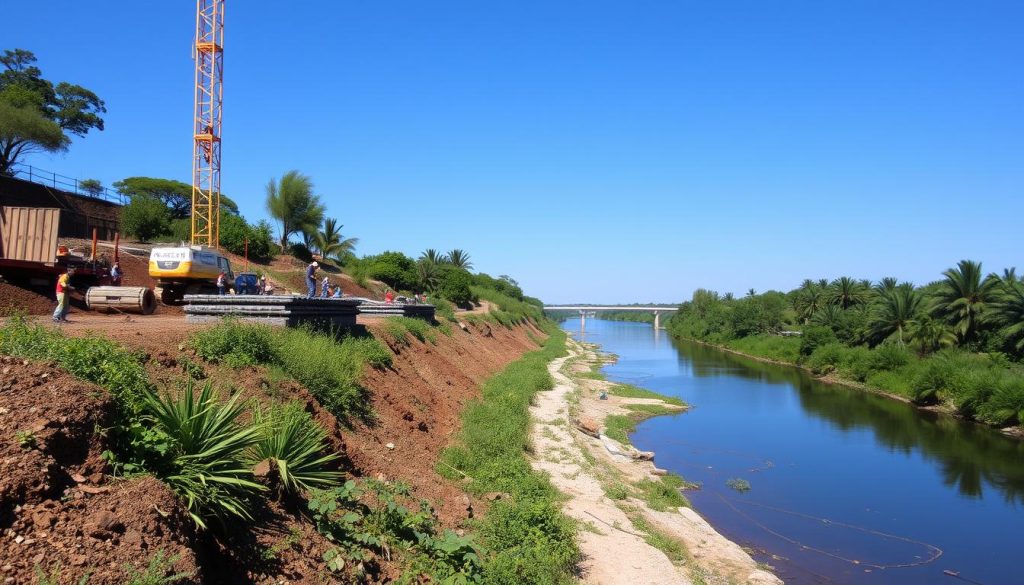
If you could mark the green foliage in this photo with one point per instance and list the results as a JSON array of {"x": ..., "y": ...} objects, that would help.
[
  {"x": 295, "y": 445},
  {"x": 528, "y": 539},
  {"x": 814, "y": 337},
  {"x": 459, "y": 259},
  {"x": 205, "y": 456},
  {"x": 377, "y": 519},
  {"x": 92, "y": 187},
  {"x": 36, "y": 114},
  {"x": 25, "y": 439},
  {"x": 398, "y": 327},
  {"x": 454, "y": 285},
  {"x": 55, "y": 576},
  {"x": 331, "y": 243},
  {"x": 512, "y": 311},
  {"x": 90, "y": 358},
  {"x": 773, "y": 347},
  {"x": 145, "y": 218},
  {"x": 292, "y": 202},
  {"x": 328, "y": 365},
  {"x": 444, "y": 309},
  {"x": 631, "y": 391},
  {"x": 235, "y": 231},
  {"x": 738, "y": 484},
  {"x": 159, "y": 571},
  {"x": 663, "y": 493},
  {"x": 963, "y": 298},
  {"x": 393, "y": 269}
]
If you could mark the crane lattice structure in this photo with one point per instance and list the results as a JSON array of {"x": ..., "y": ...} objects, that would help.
[{"x": 209, "y": 58}]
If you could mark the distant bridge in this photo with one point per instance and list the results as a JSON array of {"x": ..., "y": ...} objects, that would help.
[{"x": 585, "y": 309}]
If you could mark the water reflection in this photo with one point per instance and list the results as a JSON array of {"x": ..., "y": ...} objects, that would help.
[{"x": 967, "y": 455}]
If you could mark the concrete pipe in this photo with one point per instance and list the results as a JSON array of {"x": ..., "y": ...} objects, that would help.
[{"x": 136, "y": 299}]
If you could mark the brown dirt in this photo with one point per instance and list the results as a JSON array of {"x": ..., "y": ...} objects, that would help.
[
  {"x": 29, "y": 301},
  {"x": 58, "y": 510}
]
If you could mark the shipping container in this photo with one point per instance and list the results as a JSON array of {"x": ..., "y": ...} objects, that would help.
[{"x": 29, "y": 234}]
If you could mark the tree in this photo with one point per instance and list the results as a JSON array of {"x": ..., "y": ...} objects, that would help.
[
  {"x": 177, "y": 196},
  {"x": 847, "y": 292},
  {"x": 427, "y": 275},
  {"x": 235, "y": 232},
  {"x": 36, "y": 115},
  {"x": 929, "y": 335},
  {"x": 895, "y": 313},
  {"x": 432, "y": 255},
  {"x": 394, "y": 269},
  {"x": 92, "y": 187},
  {"x": 1008, "y": 311},
  {"x": 145, "y": 217},
  {"x": 292, "y": 202},
  {"x": 459, "y": 259},
  {"x": 331, "y": 243},
  {"x": 810, "y": 298},
  {"x": 963, "y": 297},
  {"x": 454, "y": 285}
]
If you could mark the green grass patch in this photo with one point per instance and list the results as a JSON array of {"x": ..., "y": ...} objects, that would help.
[
  {"x": 663, "y": 493},
  {"x": 773, "y": 347},
  {"x": 329, "y": 365},
  {"x": 673, "y": 549},
  {"x": 631, "y": 391},
  {"x": 618, "y": 427},
  {"x": 594, "y": 375},
  {"x": 527, "y": 539},
  {"x": 400, "y": 328}
]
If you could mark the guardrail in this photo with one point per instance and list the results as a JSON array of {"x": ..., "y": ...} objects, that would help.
[{"x": 64, "y": 183}]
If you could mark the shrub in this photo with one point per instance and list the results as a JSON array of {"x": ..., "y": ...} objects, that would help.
[
  {"x": 814, "y": 337},
  {"x": 826, "y": 358},
  {"x": 890, "y": 356},
  {"x": 236, "y": 344},
  {"x": 295, "y": 445},
  {"x": 300, "y": 251},
  {"x": 145, "y": 217},
  {"x": 205, "y": 453},
  {"x": 235, "y": 231},
  {"x": 454, "y": 285},
  {"x": 393, "y": 269}
]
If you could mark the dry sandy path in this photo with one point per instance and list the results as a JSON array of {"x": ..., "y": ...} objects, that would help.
[{"x": 615, "y": 551}]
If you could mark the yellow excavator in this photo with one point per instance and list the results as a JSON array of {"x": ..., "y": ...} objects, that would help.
[{"x": 193, "y": 269}]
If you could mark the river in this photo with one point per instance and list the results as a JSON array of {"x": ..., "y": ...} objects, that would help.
[{"x": 844, "y": 486}]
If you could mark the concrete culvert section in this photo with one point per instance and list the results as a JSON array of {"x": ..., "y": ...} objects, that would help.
[{"x": 134, "y": 299}]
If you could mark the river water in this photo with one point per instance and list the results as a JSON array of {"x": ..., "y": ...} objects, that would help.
[{"x": 844, "y": 486}]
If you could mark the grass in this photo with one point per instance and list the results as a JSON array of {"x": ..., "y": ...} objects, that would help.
[
  {"x": 509, "y": 311},
  {"x": 159, "y": 571},
  {"x": 630, "y": 391},
  {"x": 528, "y": 540},
  {"x": 673, "y": 549},
  {"x": 329, "y": 365},
  {"x": 773, "y": 347},
  {"x": 663, "y": 493},
  {"x": 399, "y": 328}
]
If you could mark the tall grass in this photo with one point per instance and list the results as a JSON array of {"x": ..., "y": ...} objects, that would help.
[
  {"x": 328, "y": 365},
  {"x": 509, "y": 311},
  {"x": 528, "y": 538},
  {"x": 399, "y": 328}
]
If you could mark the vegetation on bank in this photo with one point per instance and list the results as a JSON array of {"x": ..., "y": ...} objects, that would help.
[
  {"x": 205, "y": 447},
  {"x": 958, "y": 341},
  {"x": 527, "y": 538}
]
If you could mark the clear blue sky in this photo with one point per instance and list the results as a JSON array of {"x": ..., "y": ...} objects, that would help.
[{"x": 596, "y": 151}]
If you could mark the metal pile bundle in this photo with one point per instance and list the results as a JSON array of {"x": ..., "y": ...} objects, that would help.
[{"x": 287, "y": 310}]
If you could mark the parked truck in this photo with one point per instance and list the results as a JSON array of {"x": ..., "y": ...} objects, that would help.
[{"x": 30, "y": 256}]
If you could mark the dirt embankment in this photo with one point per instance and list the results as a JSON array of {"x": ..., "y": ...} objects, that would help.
[{"x": 57, "y": 495}]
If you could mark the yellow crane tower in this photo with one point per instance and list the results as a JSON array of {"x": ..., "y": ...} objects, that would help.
[
  {"x": 196, "y": 269},
  {"x": 209, "y": 97}
]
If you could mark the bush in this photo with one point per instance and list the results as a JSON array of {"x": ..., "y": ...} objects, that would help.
[
  {"x": 236, "y": 344},
  {"x": 454, "y": 285},
  {"x": 826, "y": 358},
  {"x": 814, "y": 337},
  {"x": 205, "y": 453},
  {"x": 393, "y": 269},
  {"x": 300, "y": 251},
  {"x": 145, "y": 217},
  {"x": 234, "y": 231},
  {"x": 295, "y": 445}
]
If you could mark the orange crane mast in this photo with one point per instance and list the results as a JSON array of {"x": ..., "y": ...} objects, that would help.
[{"x": 209, "y": 98}]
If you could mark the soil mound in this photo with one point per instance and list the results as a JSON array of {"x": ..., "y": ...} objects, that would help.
[
  {"x": 58, "y": 511},
  {"x": 16, "y": 299}
]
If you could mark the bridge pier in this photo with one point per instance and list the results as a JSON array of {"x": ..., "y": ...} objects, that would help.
[
  {"x": 657, "y": 320},
  {"x": 583, "y": 321}
]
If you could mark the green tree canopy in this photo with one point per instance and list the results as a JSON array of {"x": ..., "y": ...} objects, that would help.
[
  {"x": 145, "y": 217},
  {"x": 964, "y": 296},
  {"x": 331, "y": 243},
  {"x": 292, "y": 202},
  {"x": 35, "y": 114},
  {"x": 177, "y": 196}
]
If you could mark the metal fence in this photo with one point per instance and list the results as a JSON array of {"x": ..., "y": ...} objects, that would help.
[{"x": 70, "y": 184}]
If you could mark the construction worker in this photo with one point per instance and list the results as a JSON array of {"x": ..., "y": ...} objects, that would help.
[
  {"x": 222, "y": 282},
  {"x": 116, "y": 274},
  {"x": 63, "y": 289},
  {"x": 325, "y": 286},
  {"x": 311, "y": 279}
]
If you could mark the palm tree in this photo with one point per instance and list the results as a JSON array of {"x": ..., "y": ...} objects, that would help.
[
  {"x": 963, "y": 297},
  {"x": 895, "y": 312},
  {"x": 292, "y": 202},
  {"x": 427, "y": 275},
  {"x": 751, "y": 293},
  {"x": 459, "y": 259},
  {"x": 1008, "y": 311},
  {"x": 887, "y": 284},
  {"x": 331, "y": 243},
  {"x": 830, "y": 316},
  {"x": 847, "y": 292},
  {"x": 928, "y": 334},
  {"x": 810, "y": 298},
  {"x": 431, "y": 255}
]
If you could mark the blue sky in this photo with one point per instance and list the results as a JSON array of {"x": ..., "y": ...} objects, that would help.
[{"x": 595, "y": 151}]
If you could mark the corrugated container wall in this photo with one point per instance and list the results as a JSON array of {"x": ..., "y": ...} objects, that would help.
[{"x": 29, "y": 234}]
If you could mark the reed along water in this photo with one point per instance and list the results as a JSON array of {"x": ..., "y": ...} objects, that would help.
[{"x": 844, "y": 486}]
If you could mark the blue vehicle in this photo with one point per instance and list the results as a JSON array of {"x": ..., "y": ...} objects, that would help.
[{"x": 247, "y": 283}]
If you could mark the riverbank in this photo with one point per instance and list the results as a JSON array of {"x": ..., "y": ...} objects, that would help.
[
  {"x": 635, "y": 525},
  {"x": 834, "y": 378}
]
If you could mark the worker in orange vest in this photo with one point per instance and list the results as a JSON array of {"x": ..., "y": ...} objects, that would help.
[{"x": 63, "y": 288}]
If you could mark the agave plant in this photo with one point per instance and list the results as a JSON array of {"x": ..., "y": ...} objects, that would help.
[
  {"x": 295, "y": 445},
  {"x": 207, "y": 447}
]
